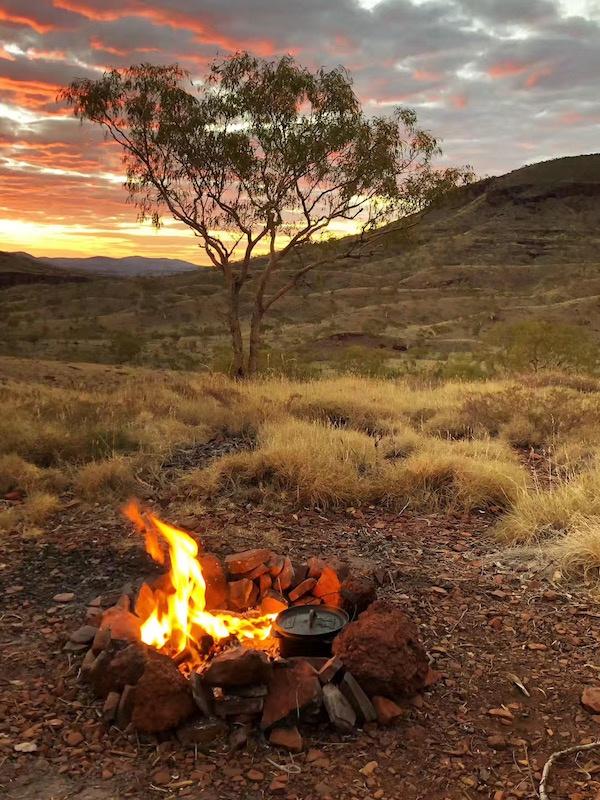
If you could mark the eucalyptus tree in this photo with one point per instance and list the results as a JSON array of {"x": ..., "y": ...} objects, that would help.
[{"x": 261, "y": 157}]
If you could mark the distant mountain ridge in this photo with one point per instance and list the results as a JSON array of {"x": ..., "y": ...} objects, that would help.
[{"x": 125, "y": 267}]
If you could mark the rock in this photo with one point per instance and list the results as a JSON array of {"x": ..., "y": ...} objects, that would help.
[
  {"x": 315, "y": 567},
  {"x": 240, "y": 594},
  {"x": 25, "y": 747},
  {"x": 275, "y": 564},
  {"x": 231, "y": 705},
  {"x": 284, "y": 580},
  {"x": 387, "y": 711},
  {"x": 73, "y": 738},
  {"x": 111, "y": 673},
  {"x": 125, "y": 708},
  {"x": 383, "y": 652},
  {"x": 288, "y": 738},
  {"x": 122, "y": 624},
  {"x": 264, "y": 584},
  {"x": 203, "y": 732},
  {"x": 590, "y": 699},
  {"x": 357, "y": 698},
  {"x": 303, "y": 588},
  {"x": 161, "y": 777},
  {"x": 111, "y": 704},
  {"x": 328, "y": 587},
  {"x": 497, "y": 741},
  {"x": 239, "y": 737},
  {"x": 339, "y": 710},
  {"x": 255, "y": 775},
  {"x": 163, "y": 696},
  {"x": 246, "y": 561},
  {"x": 238, "y": 667},
  {"x": 217, "y": 589},
  {"x": 102, "y": 639},
  {"x": 273, "y": 602},
  {"x": 64, "y": 597},
  {"x": 369, "y": 768},
  {"x": 300, "y": 572},
  {"x": 256, "y": 690},
  {"x": 357, "y": 595},
  {"x": 330, "y": 669},
  {"x": 83, "y": 635},
  {"x": 202, "y": 694},
  {"x": 291, "y": 689}
]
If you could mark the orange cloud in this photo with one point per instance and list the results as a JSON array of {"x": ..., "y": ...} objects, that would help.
[
  {"x": 505, "y": 68},
  {"x": 174, "y": 19},
  {"x": 29, "y": 94},
  {"x": 426, "y": 75},
  {"x": 29, "y": 22},
  {"x": 459, "y": 101},
  {"x": 536, "y": 77}
]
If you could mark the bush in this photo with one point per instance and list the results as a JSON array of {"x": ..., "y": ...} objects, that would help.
[{"x": 538, "y": 345}]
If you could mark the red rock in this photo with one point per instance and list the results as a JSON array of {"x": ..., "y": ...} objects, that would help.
[
  {"x": 163, "y": 696},
  {"x": 161, "y": 777},
  {"x": 240, "y": 594},
  {"x": 265, "y": 583},
  {"x": 111, "y": 704},
  {"x": 101, "y": 641},
  {"x": 383, "y": 652},
  {"x": 291, "y": 689},
  {"x": 83, "y": 635},
  {"x": 590, "y": 699},
  {"x": 121, "y": 623},
  {"x": 217, "y": 589},
  {"x": 330, "y": 669},
  {"x": 125, "y": 708},
  {"x": 275, "y": 564},
  {"x": 73, "y": 738},
  {"x": 284, "y": 580},
  {"x": 315, "y": 567},
  {"x": 303, "y": 588},
  {"x": 239, "y": 666},
  {"x": 287, "y": 738},
  {"x": 273, "y": 603},
  {"x": 328, "y": 587},
  {"x": 357, "y": 595},
  {"x": 387, "y": 711},
  {"x": 255, "y": 775},
  {"x": 246, "y": 561},
  {"x": 64, "y": 597},
  {"x": 115, "y": 672}
]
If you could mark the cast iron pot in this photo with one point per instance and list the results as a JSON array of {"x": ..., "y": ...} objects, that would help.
[{"x": 308, "y": 630}]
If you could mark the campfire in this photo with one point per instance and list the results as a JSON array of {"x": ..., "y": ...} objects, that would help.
[{"x": 216, "y": 646}]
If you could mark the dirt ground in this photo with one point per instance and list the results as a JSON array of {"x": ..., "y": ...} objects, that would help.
[{"x": 475, "y": 734}]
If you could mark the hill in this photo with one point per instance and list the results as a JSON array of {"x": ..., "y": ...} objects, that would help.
[
  {"x": 122, "y": 267},
  {"x": 21, "y": 268},
  {"x": 521, "y": 246}
]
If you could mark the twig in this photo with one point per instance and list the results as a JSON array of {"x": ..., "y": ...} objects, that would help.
[{"x": 555, "y": 757}]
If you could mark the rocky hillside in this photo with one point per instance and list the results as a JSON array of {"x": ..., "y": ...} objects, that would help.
[{"x": 521, "y": 246}]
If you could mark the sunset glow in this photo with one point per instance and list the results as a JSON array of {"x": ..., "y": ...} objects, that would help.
[{"x": 495, "y": 83}]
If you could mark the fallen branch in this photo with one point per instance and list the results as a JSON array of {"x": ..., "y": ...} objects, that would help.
[{"x": 578, "y": 748}]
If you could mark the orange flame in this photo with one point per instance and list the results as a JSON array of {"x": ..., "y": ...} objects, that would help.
[{"x": 175, "y": 618}]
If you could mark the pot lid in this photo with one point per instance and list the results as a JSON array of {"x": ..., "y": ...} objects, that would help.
[{"x": 310, "y": 621}]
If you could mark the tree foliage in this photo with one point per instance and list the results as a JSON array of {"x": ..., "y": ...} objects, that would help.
[
  {"x": 261, "y": 156},
  {"x": 538, "y": 345}
]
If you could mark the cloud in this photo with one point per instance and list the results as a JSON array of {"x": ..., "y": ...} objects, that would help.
[{"x": 500, "y": 81}]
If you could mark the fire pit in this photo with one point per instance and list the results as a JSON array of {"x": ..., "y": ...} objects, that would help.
[{"x": 214, "y": 646}]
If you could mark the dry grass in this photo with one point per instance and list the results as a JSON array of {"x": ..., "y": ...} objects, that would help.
[{"x": 335, "y": 442}]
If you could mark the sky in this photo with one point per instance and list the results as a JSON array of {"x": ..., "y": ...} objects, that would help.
[{"x": 501, "y": 82}]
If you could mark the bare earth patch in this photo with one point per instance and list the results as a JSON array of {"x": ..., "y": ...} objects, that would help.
[{"x": 474, "y": 734}]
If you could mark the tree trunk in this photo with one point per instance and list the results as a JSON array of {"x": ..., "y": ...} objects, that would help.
[
  {"x": 255, "y": 341},
  {"x": 235, "y": 330}
]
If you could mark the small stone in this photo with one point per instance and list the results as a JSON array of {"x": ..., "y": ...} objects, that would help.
[
  {"x": 122, "y": 624},
  {"x": 339, "y": 710},
  {"x": 239, "y": 737},
  {"x": 500, "y": 713},
  {"x": 278, "y": 784},
  {"x": 284, "y": 580},
  {"x": 101, "y": 641},
  {"x": 287, "y": 738},
  {"x": 202, "y": 694},
  {"x": 25, "y": 747},
  {"x": 83, "y": 635},
  {"x": 275, "y": 564},
  {"x": 330, "y": 669},
  {"x": 125, "y": 708},
  {"x": 387, "y": 711},
  {"x": 291, "y": 689},
  {"x": 497, "y": 741},
  {"x": 255, "y": 775},
  {"x": 590, "y": 699},
  {"x": 64, "y": 597},
  {"x": 111, "y": 704},
  {"x": 162, "y": 777},
  {"x": 73, "y": 738},
  {"x": 369, "y": 768}
]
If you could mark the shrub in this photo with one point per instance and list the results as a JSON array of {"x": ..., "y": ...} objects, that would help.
[{"x": 98, "y": 479}]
